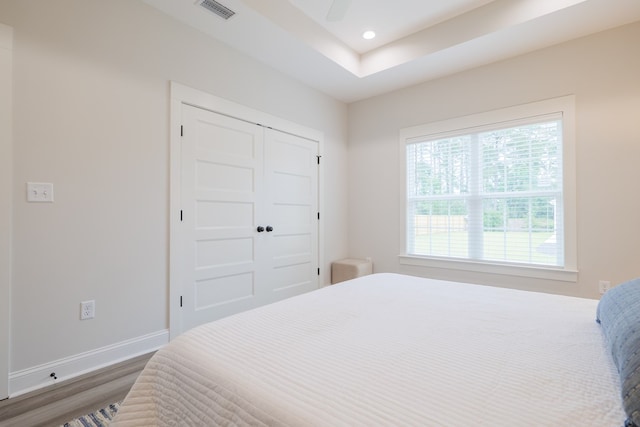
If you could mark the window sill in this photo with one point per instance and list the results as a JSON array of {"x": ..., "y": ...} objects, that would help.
[{"x": 541, "y": 272}]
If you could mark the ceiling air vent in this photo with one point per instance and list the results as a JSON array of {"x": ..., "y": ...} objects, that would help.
[{"x": 217, "y": 8}]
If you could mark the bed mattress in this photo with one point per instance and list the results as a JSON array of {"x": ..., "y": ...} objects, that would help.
[{"x": 384, "y": 350}]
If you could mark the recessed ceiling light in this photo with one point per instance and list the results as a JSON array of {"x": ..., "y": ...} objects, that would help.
[{"x": 368, "y": 35}]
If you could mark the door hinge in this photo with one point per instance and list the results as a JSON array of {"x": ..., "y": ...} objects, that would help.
[
  {"x": 180, "y": 300},
  {"x": 181, "y": 130},
  {"x": 318, "y": 157},
  {"x": 180, "y": 215},
  {"x": 318, "y": 215},
  {"x": 318, "y": 272}
]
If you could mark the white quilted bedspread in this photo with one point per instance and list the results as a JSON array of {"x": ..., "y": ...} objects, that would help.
[{"x": 387, "y": 350}]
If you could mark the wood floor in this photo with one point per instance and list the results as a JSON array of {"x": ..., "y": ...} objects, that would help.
[{"x": 59, "y": 403}]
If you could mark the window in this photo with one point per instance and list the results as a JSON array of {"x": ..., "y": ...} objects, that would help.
[{"x": 493, "y": 190}]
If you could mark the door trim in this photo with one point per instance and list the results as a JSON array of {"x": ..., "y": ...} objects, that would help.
[
  {"x": 184, "y": 95},
  {"x": 6, "y": 201}
]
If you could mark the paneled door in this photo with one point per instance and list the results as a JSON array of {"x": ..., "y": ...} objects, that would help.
[
  {"x": 291, "y": 202},
  {"x": 249, "y": 227},
  {"x": 6, "y": 206}
]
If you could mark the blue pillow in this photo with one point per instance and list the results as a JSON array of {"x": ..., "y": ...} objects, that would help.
[{"x": 619, "y": 314}]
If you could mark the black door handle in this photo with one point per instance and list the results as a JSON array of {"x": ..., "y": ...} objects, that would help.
[
  {"x": 269, "y": 228},
  {"x": 260, "y": 229}
]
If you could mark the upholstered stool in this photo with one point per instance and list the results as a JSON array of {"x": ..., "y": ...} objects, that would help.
[{"x": 349, "y": 268}]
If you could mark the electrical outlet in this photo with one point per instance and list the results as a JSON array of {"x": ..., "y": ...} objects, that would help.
[
  {"x": 87, "y": 310},
  {"x": 604, "y": 286}
]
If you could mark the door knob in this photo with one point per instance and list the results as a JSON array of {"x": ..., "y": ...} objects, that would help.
[
  {"x": 260, "y": 229},
  {"x": 269, "y": 228}
]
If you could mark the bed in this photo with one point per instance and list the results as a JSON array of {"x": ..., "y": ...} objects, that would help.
[{"x": 389, "y": 349}]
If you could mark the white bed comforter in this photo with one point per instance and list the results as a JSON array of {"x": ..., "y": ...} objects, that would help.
[{"x": 387, "y": 350}]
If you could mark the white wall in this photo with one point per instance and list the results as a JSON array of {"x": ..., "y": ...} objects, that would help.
[
  {"x": 601, "y": 70},
  {"x": 91, "y": 115},
  {"x": 6, "y": 67}
]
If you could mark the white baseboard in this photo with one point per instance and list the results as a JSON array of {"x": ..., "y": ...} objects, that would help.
[{"x": 36, "y": 377}]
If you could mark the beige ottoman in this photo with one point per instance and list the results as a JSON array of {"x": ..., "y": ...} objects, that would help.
[{"x": 349, "y": 268}]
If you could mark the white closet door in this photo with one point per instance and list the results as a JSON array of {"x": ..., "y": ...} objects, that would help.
[
  {"x": 6, "y": 181},
  {"x": 249, "y": 230},
  {"x": 221, "y": 171},
  {"x": 291, "y": 195}
]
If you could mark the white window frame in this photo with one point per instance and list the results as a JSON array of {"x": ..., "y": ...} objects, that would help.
[{"x": 566, "y": 107}]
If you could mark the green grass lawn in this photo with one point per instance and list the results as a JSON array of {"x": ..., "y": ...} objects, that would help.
[{"x": 511, "y": 246}]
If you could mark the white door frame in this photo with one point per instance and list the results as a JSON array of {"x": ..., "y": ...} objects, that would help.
[
  {"x": 6, "y": 201},
  {"x": 183, "y": 95}
]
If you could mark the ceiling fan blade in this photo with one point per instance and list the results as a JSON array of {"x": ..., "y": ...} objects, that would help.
[{"x": 338, "y": 9}]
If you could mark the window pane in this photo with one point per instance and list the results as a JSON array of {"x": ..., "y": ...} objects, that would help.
[
  {"x": 440, "y": 229},
  {"x": 438, "y": 167},
  {"x": 522, "y": 158},
  {"x": 520, "y": 230}
]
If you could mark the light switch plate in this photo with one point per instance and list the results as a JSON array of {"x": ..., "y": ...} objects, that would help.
[{"x": 40, "y": 192}]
